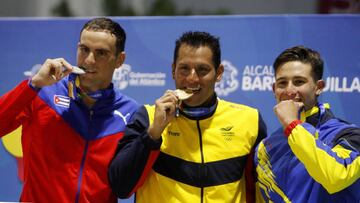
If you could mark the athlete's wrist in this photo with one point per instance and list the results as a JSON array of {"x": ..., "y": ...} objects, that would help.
[{"x": 291, "y": 126}]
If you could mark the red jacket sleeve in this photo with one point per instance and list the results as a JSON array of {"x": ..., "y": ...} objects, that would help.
[{"x": 13, "y": 105}]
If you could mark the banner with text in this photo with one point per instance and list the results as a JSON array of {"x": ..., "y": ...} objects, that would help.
[{"x": 249, "y": 46}]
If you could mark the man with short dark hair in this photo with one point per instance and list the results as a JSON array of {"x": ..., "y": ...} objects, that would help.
[
  {"x": 72, "y": 119},
  {"x": 190, "y": 146},
  {"x": 314, "y": 157}
]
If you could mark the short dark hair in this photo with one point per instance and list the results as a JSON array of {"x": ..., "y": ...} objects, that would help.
[
  {"x": 304, "y": 55},
  {"x": 197, "y": 39},
  {"x": 108, "y": 25}
]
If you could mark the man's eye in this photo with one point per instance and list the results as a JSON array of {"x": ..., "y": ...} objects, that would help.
[
  {"x": 101, "y": 53},
  {"x": 184, "y": 70},
  {"x": 281, "y": 84},
  {"x": 202, "y": 71},
  {"x": 298, "y": 82},
  {"x": 84, "y": 49}
]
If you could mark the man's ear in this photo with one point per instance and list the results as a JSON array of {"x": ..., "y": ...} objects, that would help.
[
  {"x": 173, "y": 66},
  {"x": 273, "y": 87},
  {"x": 120, "y": 59},
  {"x": 219, "y": 72},
  {"x": 320, "y": 85}
]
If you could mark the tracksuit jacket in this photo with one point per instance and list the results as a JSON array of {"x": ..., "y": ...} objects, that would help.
[
  {"x": 318, "y": 162},
  {"x": 197, "y": 160},
  {"x": 67, "y": 147}
]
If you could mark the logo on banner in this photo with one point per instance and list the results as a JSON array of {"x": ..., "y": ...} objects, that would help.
[
  {"x": 257, "y": 77},
  {"x": 228, "y": 83},
  {"x": 124, "y": 77},
  {"x": 121, "y": 76},
  {"x": 62, "y": 101}
]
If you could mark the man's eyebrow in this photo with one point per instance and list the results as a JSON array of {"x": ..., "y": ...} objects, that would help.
[
  {"x": 204, "y": 65},
  {"x": 281, "y": 78},
  {"x": 98, "y": 49},
  {"x": 183, "y": 64},
  {"x": 103, "y": 50},
  {"x": 300, "y": 77}
]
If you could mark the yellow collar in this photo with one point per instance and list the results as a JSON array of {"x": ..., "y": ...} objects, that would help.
[{"x": 312, "y": 111}]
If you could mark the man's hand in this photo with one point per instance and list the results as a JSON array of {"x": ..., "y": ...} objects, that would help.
[
  {"x": 287, "y": 111},
  {"x": 51, "y": 72},
  {"x": 165, "y": 108}
]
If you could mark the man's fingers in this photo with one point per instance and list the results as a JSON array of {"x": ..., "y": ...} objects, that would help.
[
  {"x": 169, "y": 96},
  {"x": 66, "y": 64},
  {"x": 169, "y": 107},
  {"x": 299, "y": 104},
  {"x": 68, "y": 68},
  {"x": 166, "y": 105},
  {"x": 59, "y": 68}
]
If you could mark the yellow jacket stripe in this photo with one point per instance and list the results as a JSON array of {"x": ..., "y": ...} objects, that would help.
[{"x": 332, "y": 171}]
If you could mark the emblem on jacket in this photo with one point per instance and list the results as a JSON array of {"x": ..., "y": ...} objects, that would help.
[
  {"x": 227, "y": 133},
  {"x": 116, "y": 112},
  {"x": 62, "y": 101}
]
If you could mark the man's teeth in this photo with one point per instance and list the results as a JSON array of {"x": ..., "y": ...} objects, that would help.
[
  {"x": 87, "y": 69},
  {"x": 192, "y": 89}
]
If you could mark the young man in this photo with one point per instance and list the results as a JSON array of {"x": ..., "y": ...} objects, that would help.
[
  {"x": 314, "y": 157},
  {"x": 194, "y": 150},
  {"x": 71, "y": 123}
]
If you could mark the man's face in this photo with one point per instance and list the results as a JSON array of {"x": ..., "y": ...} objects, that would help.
[
  {"x": 294, "y": 81},
  {"x": 194, "y": 71},
  {"x": 97, "y": 54}
]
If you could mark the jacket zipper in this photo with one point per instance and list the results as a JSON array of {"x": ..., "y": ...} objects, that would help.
[
  {"x": 77, "y": 197},
  {"x": 81, "y": 172},
  {"x": 201, "y": 169}
]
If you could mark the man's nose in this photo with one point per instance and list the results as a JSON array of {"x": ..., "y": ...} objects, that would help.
[
  {"x": 291, "y": 90},
  {"x": 90, "y": 58},
  {"x": 193, "y": 76}
]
